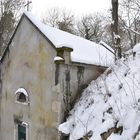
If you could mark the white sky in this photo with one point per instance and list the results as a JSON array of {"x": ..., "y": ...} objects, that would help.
[{"x": 78, "y": 7}]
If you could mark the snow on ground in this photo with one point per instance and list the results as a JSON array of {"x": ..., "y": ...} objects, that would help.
[
  {"x": 84, "y": 51},
  {"x": 111, "y": 100}
]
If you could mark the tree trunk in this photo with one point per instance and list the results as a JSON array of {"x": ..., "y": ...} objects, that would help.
[{"x": 115, "y": 36}]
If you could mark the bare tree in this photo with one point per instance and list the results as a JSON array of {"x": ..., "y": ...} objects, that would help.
[
  {"x": 6, "y": 28},
  {"x": 61, "y": 19},
  {"x": 52, "y": 17},
  {"x": 67, "y": 22},
  {"x": 9, "y": 12},
  {"x": 131, "y": 19},
  {"x": 114, "y": 26},
  {"x": 91, "y": 27}
]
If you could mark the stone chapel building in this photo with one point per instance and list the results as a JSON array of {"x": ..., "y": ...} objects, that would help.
[{"x": 42, "y": 72}]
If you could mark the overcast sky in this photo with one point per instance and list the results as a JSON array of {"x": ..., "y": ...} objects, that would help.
[{"x": 78, "y": 7}]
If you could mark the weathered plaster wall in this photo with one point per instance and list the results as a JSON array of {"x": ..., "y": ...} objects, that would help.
[
  {"x": 29, "y": 64},
  {"x": 71, "y": 79}
]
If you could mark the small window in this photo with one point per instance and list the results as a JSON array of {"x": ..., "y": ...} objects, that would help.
[
  {"x": 22, "y": 96},
  {"x": 21, "y": 132}
]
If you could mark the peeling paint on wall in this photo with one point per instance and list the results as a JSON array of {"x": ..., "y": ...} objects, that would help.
[
  {"x": 67, "y": 96},
  {"x": 80, "y": 75},
  {"x": 57, "y": 70}
]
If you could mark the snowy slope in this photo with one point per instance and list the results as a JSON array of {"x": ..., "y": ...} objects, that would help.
[
  {"x": 84, "y": 51},
  {"x": 113, "y": 100}
]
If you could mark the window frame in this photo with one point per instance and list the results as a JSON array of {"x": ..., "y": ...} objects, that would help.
[{"x": 16, "y": 130}]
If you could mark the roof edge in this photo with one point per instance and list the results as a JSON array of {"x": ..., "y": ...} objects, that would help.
[
  {"x": 7, "y": 48},
  {"x": 90, "y": 65},
  {"x": 40, "y": 31}
]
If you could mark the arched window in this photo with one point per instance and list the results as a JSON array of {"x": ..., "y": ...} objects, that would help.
[{"x": 22, "y": 96}]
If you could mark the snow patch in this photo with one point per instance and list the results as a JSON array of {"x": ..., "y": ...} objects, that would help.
[
  {"x": 22, "y": 90},
  {"x": 64, "y": 45},
  {"x": 57, "y": 58},
  {"x": 136, "y": 48}
]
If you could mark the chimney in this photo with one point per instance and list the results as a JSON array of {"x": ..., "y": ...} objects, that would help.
[{"x": 65, "y": 53}]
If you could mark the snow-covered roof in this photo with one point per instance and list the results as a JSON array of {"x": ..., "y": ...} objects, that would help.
[{"x": 84, "y": 51}]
